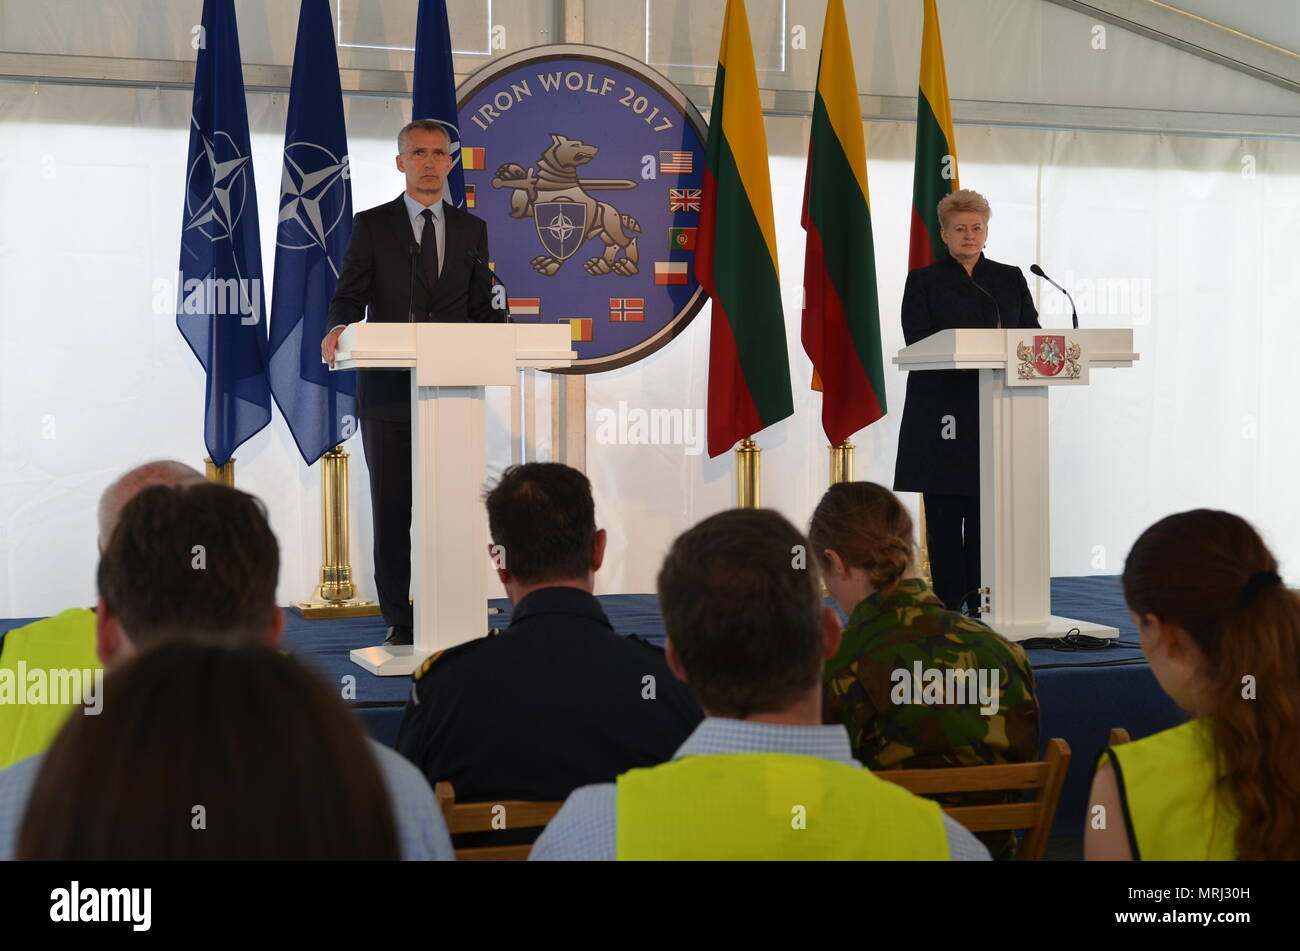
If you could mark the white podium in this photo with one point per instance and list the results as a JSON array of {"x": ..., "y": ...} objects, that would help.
[
  {"x": 1017, "y": 368},
  {"x": 449, "y": 365}
]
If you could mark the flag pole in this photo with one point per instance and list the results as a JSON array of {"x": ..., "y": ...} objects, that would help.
[
  {"x": 841, "y": 462},
  {"x": 749, "y": 475},
  {"x": 335, "y": 596},
  {"x": 222, "y": 475}
]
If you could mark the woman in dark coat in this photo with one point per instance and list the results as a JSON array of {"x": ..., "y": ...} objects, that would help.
[{"x": 938, "y": 443}]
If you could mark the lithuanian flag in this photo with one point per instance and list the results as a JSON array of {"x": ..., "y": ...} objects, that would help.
[
  {"x": 749, "y": 369},
  {"x": 935, "y": 174},
  {"x": 841, "y": 318}
]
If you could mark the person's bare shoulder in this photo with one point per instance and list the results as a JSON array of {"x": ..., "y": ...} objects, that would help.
[{"x": 1105, "y": 833}]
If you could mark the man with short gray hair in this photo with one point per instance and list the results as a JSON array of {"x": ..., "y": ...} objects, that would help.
[
  {"x": 416, "y": 258},
  {"x": 152, "y": 591},
  {"x": 66, "y": 641}
]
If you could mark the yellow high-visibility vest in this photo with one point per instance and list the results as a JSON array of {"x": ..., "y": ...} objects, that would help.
[
  {"x": 1167, "y": 784},
  {"x": 64, "y": 642},
  {"x": 757, "y": 806}
]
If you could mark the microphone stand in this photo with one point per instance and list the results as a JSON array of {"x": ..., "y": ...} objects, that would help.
[
  {"x": 492, "y": 281},
  {"x": 997, "y": 311},
  {"x": 1074, "y": 313},
  {"x": 412, "y": 252}
]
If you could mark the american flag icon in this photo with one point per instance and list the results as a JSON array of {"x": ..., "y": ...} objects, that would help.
[
  {"x": 682, "y": 163},
  {"x": 627, "y": 308},
  {"x": 684, "y": 199}
]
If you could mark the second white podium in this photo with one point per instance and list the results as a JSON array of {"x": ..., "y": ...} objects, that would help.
[{"x": 1017, "y": 368}]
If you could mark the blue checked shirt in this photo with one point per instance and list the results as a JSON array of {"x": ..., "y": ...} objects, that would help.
[
  {"x": 421, "y": 832},
  {"x": 586, "y": 828}
]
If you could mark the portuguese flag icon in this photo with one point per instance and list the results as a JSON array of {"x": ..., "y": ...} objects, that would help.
[
  {"x": 841, "y": 318},
  {"x": 749, "y": 369},
  {"x": 935, "y": 174}
]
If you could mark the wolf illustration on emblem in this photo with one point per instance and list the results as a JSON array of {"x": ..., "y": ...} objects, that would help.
[{"x": 566, "y": 214}]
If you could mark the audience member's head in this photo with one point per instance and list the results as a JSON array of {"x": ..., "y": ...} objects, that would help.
[
  {"x": 543, "y": 525},
  {"x": 121, "y": 490},
  {"x": 194, "y": 561},
  {"x": 1222, "y": 634},
  {"x": 862, "y": 537},
  {"x": 746, "y": 627},
  {"x": 206, "y": 751}
]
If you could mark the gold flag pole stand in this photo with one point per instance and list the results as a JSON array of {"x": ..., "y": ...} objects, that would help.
[
  {"x": 749, "y": 475},
  {"x": 335, "y": 596},
  {"x": 222, "y": 475},
  {"x": 841, "y": 462}
]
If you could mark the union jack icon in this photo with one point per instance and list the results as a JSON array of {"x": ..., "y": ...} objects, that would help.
[{"x": 684, "y": 199}]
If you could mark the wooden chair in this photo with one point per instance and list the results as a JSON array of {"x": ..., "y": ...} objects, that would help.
[
  {"x": 1118, "y": 737},
  {"x": 1047, "y": 776},
  {"x": 478, "y": 817}
]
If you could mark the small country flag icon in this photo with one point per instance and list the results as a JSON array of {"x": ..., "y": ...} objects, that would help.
[
  {"x": 473, "y": 160},
  {"x": 469, "y": 196},
  {"x": 681, "y": 239},
  {"x": 579, "y": 328},
  {"x": 682, "y": 163},
  {"x": 684, "y": 199},
  {"x": 525, "y": 306},
  {"x": 626, "y": 308},
  {"x": 670, "y": 272}
]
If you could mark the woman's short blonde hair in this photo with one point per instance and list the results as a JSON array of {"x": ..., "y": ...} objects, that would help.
[{"x": 963, "y": 200}]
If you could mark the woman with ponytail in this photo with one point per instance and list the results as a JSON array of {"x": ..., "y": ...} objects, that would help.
[
  {"x": 897, "y": 627},
  {"x": 1222, "y": 635}
]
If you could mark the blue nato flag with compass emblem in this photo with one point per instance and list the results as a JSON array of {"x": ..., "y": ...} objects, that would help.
[
  {"x": 312, "y": 231},
  {"x": 220, "y": 304},
  {"x": 433, "y": 86}
]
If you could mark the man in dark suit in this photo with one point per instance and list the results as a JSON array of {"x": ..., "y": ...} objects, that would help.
[
  {"x": 416, "y": 258},
  {"x": 938, "y": 440}
]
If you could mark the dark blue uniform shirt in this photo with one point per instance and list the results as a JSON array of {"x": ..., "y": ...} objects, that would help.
[{"x": 556, "y": 701}]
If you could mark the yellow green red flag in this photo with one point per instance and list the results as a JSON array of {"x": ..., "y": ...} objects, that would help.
[
  {"x": 841, "y": 318},
  {"x": 935, "y": 172},
  {"x": 749, "y": 370}
]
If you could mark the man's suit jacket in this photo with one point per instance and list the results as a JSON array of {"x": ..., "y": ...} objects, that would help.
[{"x": 381, "y": 281}]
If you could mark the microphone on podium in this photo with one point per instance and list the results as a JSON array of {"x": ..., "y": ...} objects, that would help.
[
  {"x": 1073, "y": 312},
  {"x": 492, "y": 281},
  {"x": 412, "y": 252},
  {"x": 996, "y": 309}
]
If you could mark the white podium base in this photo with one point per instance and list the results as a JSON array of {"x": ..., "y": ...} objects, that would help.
[
  {"x": 392, "y": 661},
  {"x": 1054, "y": 627}
]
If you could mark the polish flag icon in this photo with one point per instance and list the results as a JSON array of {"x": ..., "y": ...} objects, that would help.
[{"x": 671, "y": 272}]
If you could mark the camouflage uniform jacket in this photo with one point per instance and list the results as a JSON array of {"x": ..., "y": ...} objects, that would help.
[{"x": 897, "y": 631}]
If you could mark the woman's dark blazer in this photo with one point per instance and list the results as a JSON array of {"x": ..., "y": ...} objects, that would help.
[{"x": 941, "y": 297}]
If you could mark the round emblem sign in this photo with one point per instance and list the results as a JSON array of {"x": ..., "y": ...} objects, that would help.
[{"x": 587, "y": 166}]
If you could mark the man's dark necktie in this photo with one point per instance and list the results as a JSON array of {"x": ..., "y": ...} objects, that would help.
[{"x": 429, "y": 249}]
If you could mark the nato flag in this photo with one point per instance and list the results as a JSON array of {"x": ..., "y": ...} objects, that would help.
[
  {"x": 312, "y": 233},
  {"x": 220, "y": 305},
  {"x": 433, "y": 90}
]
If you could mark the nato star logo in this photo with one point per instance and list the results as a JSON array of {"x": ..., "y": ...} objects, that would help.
[
  {"x": 312, "y": 195},
  {"x": 219, "y": 211}
]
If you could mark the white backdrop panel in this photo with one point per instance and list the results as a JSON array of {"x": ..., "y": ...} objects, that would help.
[{"x": 1176, "y": 237}]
